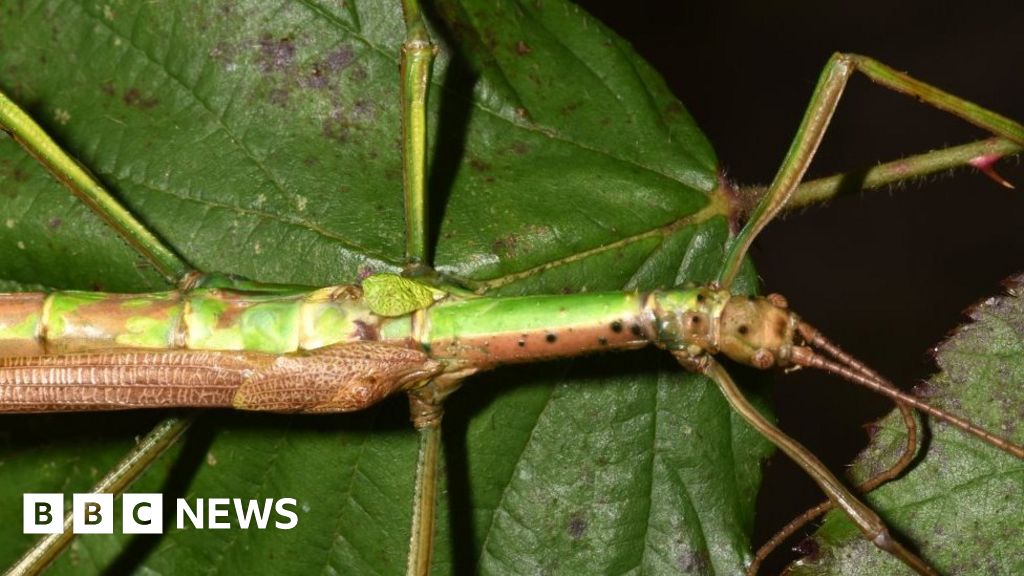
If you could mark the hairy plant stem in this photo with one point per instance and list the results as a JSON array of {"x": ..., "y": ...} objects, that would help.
[{"x": 889, "y": 173}]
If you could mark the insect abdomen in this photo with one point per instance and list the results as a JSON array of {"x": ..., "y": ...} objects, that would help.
[{"x": 33, "y": 324}]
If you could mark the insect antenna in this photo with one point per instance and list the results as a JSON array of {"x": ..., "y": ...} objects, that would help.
[{"x": 845, "y": 366}]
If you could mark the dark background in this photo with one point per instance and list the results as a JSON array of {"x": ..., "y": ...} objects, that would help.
[{"x": 885, "y": 274}]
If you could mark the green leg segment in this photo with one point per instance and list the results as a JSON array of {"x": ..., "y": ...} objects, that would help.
[
  {"x": 815, "y": 122},
  {"x": 417, "y": 57},
  {"x": 421, "y": 541},
  {"x": 82, "y": 184}
]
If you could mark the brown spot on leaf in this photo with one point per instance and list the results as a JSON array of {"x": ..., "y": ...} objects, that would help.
[
  {"x": 522, "y": 48},
  {"x": 506, "y": 245},
  {"x": 134, "y": 98},
  {"x": 479, "y": 165},
  {"x": 694, "y": 562},
  {"x": 358, "y": 74},
  {"x": 577, "y": 526},
  {"x": 275, "y": 54},
  {"x": 279, "y": 97},
  {"x": 571, "y": 107},
  {"x": 108, "y": 89},
  {"x": 364, "y": 111},
  {"x": 337, "y": 126},
  {"x": 54, "y": 223},
  {"x": 340, "y": 58}
]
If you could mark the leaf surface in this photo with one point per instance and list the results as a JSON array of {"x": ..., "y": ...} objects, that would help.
[
  {"x": 960, "y": 505},
  {"x": 262, "y": 139}
]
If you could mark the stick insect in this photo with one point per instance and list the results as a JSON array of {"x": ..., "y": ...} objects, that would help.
[{"x": 276, "y": 52}]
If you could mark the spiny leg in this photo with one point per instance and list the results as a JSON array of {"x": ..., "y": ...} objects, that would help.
[
  {"x": 175, "y": 269},
  {"x": 866, "y": 519},
  {"x": 426, "y": 403},
  {"x": 815, "y": 122}
]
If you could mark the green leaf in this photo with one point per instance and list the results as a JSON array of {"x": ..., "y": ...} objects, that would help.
[
  {"x": 960, "y": 504},
  {"x": 262, "y": 139}
]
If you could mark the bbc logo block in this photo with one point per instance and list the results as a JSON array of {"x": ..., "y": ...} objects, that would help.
[
  {"x": 144, "y": 513},
  {"x": 92, "y": 514}
]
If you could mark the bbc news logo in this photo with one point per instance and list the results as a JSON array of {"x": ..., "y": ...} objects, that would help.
[{"x": 144, "y": 513}]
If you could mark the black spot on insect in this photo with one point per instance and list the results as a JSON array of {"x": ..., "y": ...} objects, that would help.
[
  {"x": 616, "y": 326},
  {"x": 551, "y": 338},
  {"x": 636, "y": 331},
  {"x": 700, "y": 297},
  {"x": 695, "y": 320},
  {"x": 743, "y": 330},
  {"x": 602, "y": 340},
  {"x": 521, "y": 343}
]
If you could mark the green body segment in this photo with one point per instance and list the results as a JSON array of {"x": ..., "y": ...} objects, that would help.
[
  {"x": 459, "y": 331},
  {"x": 484, "y": 332},
  {"x": 34, "y": 324}
]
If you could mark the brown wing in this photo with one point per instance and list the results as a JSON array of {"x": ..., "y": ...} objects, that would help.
[{"x": 339, "y": 378}]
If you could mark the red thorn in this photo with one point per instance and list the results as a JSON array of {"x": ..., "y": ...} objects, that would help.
[{"x": 985, "y": 164}]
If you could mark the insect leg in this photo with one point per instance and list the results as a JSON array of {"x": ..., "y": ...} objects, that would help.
[
  {"x": 866, "y": 519},
  {"x": 426, "y": 406},
  {"x": 815, "y": 122},
  {"x": 890, "y": 473},
  {"x": 175, "y": 269},
  {"x": 82, "y": 184},
  {"x": 417, "y": 58}
]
